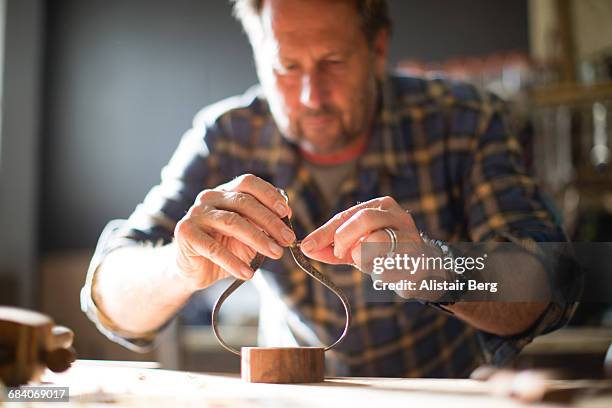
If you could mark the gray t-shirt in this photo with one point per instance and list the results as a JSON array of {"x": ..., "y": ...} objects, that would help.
[{"x": 329, "y": 177}]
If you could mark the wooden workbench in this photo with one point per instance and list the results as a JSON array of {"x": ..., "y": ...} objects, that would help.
[{"x": 119, "y": 384}]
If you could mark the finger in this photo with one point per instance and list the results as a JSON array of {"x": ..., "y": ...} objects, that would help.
[
  {"x": 249, "y": 207},
  {"x": 208, "y": 247},
  {"x": 375, "y": 246},
  {"x": 234, "y": 225},
  {"x": 324, "y": 235},
  {"x": 360, "y": 224},
  {"x": 326, "y": 255},
  {"x": 263, "y": 191}
]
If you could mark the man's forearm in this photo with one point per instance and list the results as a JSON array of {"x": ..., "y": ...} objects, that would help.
[
  {"x": 524, "y": 293},
  {"x": 140, "y": 288},
  {"x": 501, "y": 318}
]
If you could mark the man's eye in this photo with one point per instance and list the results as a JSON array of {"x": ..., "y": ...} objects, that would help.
[
  {"x": 334, "y": 63},
  {"x": 287, "y": 69}
]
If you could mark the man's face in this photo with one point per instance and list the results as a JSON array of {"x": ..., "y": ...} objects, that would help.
[{"x": 318, "y": 71}]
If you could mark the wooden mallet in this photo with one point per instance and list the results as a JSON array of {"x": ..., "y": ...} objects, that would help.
[{"x": 30, "y": 342}]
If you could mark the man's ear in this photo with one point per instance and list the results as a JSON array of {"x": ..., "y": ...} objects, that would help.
[{"x": 380, "y": 47}]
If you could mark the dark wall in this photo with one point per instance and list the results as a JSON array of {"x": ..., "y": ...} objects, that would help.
[
  {"x": 124, "y": 78},
  {"x": 438, "y": 29}
]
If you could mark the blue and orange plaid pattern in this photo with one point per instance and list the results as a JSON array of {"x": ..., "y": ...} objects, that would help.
[{"x": 442, "y": 149}]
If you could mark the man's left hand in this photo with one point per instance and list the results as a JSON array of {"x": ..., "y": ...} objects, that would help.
[{"x": 338, "y": 240}]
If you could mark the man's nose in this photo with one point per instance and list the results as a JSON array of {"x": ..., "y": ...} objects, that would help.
[{"x": 312, "y": 91}]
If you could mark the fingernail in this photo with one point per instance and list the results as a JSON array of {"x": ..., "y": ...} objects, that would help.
[
  {"x": 288, "y": 235},
  {"x": 337, "y": 253},
  {"x": 246, "y": 272},
  {"x": 280, "y": 208},
  {"x": 275, "y": 248},
  {"x": 307, "y": 245}
]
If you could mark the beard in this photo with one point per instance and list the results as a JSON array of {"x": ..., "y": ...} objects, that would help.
[
  {"x": 328, "y": 128},
  {"x": 325, "y": 130}
]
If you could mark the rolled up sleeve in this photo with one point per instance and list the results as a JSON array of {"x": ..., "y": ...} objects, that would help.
[
  {"x": 141, "y": 342},
  {"x": 504, "y": 203},
  {"x": 192, "y": 168}
]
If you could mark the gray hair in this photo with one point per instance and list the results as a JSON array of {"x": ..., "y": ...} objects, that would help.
[{"x": 374, "y": 15}]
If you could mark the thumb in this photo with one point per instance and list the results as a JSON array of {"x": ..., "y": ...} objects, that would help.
[{"x": 326, "y": 255}]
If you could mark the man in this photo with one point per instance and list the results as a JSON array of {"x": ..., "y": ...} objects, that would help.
[{"x": 364, "y": 157}]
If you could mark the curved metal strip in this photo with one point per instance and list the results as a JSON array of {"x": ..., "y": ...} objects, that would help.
[
  {"x": 304, "y": 264},
  {"x": 307, "y": 267},
  {"x": 255, "y": 265}
]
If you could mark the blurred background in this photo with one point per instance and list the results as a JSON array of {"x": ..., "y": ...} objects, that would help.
[{"x": 97, "y": 93}]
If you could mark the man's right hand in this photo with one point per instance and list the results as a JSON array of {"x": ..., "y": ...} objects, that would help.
[{"x": 227, "y": 226}]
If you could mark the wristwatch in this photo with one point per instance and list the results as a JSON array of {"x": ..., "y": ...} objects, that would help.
[{"x": 450, "y": 297}]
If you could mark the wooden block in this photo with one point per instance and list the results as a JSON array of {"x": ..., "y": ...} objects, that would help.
[
  {"x": 283, "y": 365},
  {"x": 22, "y": 335},
  {"x": 30, "y": 342}
]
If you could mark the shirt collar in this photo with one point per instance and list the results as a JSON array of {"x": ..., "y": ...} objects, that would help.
[
  {"x": 387, "y": 144},
  {"x": 382, "y": 158},
  {"x": 384, "y": 151}
]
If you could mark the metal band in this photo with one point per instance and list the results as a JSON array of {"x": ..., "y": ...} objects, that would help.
[
  {"x": 255, "y": 264},
  {"x": 393, "y": 237},
  {"x": 304, "y": 264}
]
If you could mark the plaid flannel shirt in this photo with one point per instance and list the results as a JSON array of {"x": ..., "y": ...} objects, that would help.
[{"x": 441, "y": 149}]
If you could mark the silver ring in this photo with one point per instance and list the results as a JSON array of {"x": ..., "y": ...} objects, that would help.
[{"x": 393, "y": 237}]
